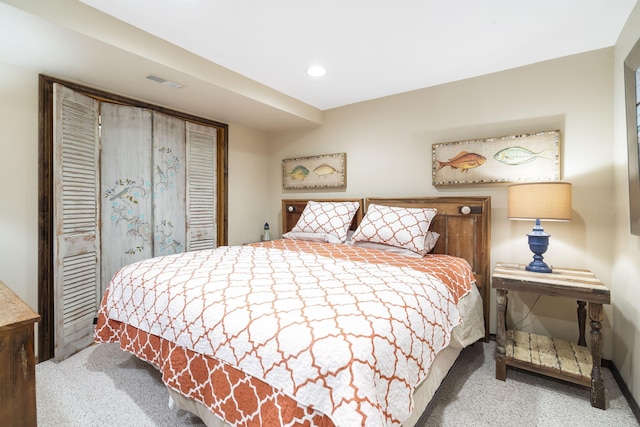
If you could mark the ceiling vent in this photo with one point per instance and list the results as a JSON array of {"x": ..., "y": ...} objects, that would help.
[{"x": 164, "y": 81}]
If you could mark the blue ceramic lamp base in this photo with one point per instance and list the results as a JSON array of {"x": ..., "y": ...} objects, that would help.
[{"x": 538, "y": 243}]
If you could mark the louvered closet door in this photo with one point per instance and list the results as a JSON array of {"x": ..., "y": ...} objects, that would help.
[
  {"x": 77, "y": 202},
  {"x": 141, "y": 185},
  {"x": 201, "y": 187},
  {"x": 125, "y": 170}
]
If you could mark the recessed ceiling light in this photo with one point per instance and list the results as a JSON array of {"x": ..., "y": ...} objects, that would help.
[{"x": 316, "y": 71}]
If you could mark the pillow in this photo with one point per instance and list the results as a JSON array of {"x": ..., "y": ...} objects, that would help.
[
  {"x": 312, "y": 237},
  {"x": 349, "y": 235},
  {"x": 395, "y": 226},
  {"x": 332, "y": 218},
  {"x": 429, "y": 242}
]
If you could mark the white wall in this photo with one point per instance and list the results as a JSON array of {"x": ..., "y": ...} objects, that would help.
[
  {"x": 388, "y": 144},
  {"x": 625, "y": 290}
]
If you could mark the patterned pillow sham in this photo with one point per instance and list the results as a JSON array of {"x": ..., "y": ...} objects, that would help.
[
  {"x": 332, "y": 218},
  {"x": 396, "y": 226},
  {"x": 429, "y": 243}
]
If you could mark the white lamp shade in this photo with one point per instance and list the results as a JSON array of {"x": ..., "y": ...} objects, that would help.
[{"x": 540, "y": 200}]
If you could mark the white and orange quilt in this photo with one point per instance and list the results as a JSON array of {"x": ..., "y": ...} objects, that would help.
[{"x": 289, "y": 332}]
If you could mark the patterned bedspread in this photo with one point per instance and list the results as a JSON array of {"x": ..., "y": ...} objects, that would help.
[{"x": 289, "y": 332}]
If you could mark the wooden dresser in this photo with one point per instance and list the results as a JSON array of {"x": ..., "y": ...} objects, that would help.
[{"x": 17, "y": 361}]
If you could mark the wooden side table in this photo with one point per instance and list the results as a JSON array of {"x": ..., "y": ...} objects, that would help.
[{"x": 556, "y": 358}]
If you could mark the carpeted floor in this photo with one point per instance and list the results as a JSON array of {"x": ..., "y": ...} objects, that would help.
[
  {"x": 104, "y": 386},
  {"x": 471, "y": 396}
]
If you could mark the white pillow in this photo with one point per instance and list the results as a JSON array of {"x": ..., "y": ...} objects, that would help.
[
  {"x": 431, "y": 240},
  {"x": 312, "y": 237},
  {"x": 395, "y": 226},
  {"x": 429, "y": 243},
  {"x": 332, "y": 218}
]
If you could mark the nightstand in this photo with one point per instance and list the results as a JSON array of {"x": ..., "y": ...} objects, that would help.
[
  {"x": 568, "y": 361},
  {"x": 17, "y": 361}
]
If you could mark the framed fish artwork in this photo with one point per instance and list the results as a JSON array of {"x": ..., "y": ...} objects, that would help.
[
  {"x": 324, "y": 171},
  {"x": 513, "y": 158}
]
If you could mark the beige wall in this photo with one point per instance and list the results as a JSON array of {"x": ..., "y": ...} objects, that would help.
[
  {"x": 248, "y": 191},
  {"x": 388, "y": 145},
  {"x": 625, "y": 290},
  {"x": 19, "y": 182}
]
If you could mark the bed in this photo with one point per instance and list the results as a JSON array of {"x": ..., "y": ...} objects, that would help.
[{"x": 306, "y": 330}]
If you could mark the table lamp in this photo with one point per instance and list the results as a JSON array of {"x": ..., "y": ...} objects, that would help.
[{"x": 548, "y": 201}]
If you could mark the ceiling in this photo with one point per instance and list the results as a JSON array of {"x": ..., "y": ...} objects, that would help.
[
  {"x": 374, "y": 48},
  {"x": 253, "y": 54}
]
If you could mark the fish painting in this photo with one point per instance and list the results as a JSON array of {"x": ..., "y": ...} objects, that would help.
[
  {"x": 514, "y": 156},
  {"x": 325, "y": 169},
  {"x": 463, "y": 161},
  {"x": 299, "y": 173}
]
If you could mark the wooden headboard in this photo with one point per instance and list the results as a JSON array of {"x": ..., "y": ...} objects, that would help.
[
  {"x": 464, "y": 225},
  {"x": 292, "y": 209}
]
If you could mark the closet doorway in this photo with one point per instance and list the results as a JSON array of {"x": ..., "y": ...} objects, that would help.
[{"x": 119, "y": 181}]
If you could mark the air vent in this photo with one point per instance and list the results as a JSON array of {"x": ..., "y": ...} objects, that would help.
[{"x": 164, "y": 81}]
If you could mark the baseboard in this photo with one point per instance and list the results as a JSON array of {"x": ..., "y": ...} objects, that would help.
[{"x": 623, "y": 387}]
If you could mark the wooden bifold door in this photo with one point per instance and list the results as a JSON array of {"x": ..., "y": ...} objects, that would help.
[{"x": 129, "y": 183}]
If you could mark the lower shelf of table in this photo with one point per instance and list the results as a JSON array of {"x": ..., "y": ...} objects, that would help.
[{"x": 549, "y": 356}]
